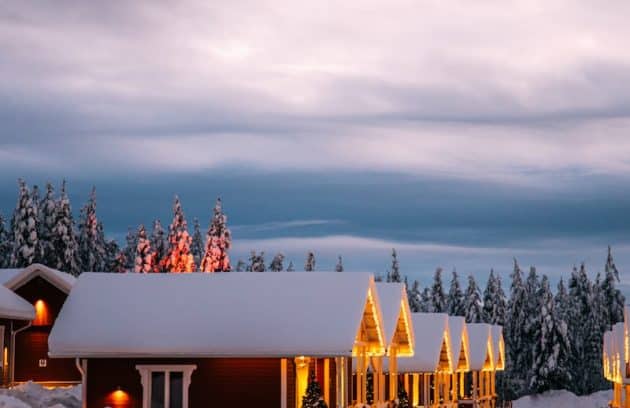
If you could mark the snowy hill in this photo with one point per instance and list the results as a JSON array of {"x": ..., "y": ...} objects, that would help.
[
  {"x": 564, "y": 399},
  {"x": 31, "y": 395}
]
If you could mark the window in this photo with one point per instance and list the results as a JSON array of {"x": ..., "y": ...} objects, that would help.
[{"x": 165, "y": 386}]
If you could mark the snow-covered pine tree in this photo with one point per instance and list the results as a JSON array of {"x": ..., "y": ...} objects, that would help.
[
  {"x": 313, "y": 397},
  {"x": 47, "y": 223},
  {"x": 24, "y": 225},
  {"x": 415, "y": 297},
  {"x": 611, "y": 296},
  {"x": 144, "y": 253},
  {"x": 131, "y": 241},
  {"x": 240, "y": 266},
  {"x": 256, "y": 262},
  {"x": 532, "y": 322},
  {"x": 197, "y": 246},
  {"x": 120, "y": 263},
  {"x": 309, "y": 265},
  {"x": 500, "y": 309},
  {"x": 552, "y": 348},
  {"x": 595, "y": 326},
  {"x": 178, "y": 258},
  {"x": 561, "y": 301},
  {"x": 580, "y": 322},
  {"x": 64, "y": 236},
  {"x": 5, "y": 244},
  {"x": 91, "y": 243},
  {"x": 515, "y": 339},
  {"x": 455, "y": 298},
  {"x": 473, "y": 305},
  {"x": 393, "y": 275},
  {"x": 277, "y": 263},
  {"x": 403, "y": 398},
  {"x": 339, "y": 266},
  {"x": 489, "y": 294},
  {"x": 218, "y": 242},
  {"x": 438, "y": 299},
  {"x": 112, "y": 251},
  {"x": 159, "y": 243},
  {"x": 425, "y": 301}
]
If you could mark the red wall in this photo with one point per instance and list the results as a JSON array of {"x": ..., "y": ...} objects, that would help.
[
  {"x": 215, "y": 382},
  {"x": 31, "y": 345}
]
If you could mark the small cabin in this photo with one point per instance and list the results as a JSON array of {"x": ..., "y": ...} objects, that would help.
[
  {"x": 45, "y": 290},
  {"x": 480, "y": 384},
  {"x": 201, "y": 340},
  {"x": 426, "y": 376}
]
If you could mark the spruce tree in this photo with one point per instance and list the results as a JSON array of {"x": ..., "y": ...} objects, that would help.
[
  {"x": 500, "y": 309},
  {"x": 532, "y": 322},
  {"x": 551, "y": 348},
  {"x": 595, "y": 326},
  {"x": 313, "y": 397},
  {"x": 309, "y": 265},
  {"x": 197, "y": 246},
  {"x": 5, "y": 244},
  {"x": 64, "y": 236},
  {"x": 277, "y": 263},
  {"x": 455, "y": 299},
  {"x": 218, "y": 242},
  {"x": 179, "y": 258},
  {"x": 144, "y": 253},
  {"x": 438, "y": 299},
  {"x": 159, "y": 243},
  {"x": 290, "y": 268},
  {"x": 91, "y": 243},
  {"x": 473, "y": 305},
  {"x": 24, "y": 228},
  {"x": 425, "y": 301},
  {"x": 339, "y": 266},
  {"x": 112, "y": 252},
  {"x": 393, "y": 275},
  {"x": 256, "y": 262},
  {"x": 47, "y": 223},
  {"x": 131, "y": 241},
  {"x": 580, "y": 323},
  {"x": 415, "y": 297},
  {"x": 515, "y": 339},
  {"x": 561, "y": 301},
  {"x": 489, "y": 295},
  {"x": 611, "y": 296}
]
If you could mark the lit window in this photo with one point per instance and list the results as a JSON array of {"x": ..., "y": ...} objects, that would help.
[{"x": 165, "y": 386}]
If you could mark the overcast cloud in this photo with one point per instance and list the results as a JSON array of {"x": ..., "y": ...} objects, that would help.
[{"x": 526, "y": 99}]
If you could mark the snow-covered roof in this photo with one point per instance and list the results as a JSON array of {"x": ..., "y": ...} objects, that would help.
[
  {"x": 13, "y": 306},
  {"x": 480, "y": 351},
  {"x": 396, "y": 317},
  {"x": 498, "y": 347},
  {"x": 459, "y": 341},
  {"x": 221, "y": 314},
  {"x": 14, "y": 278},
  {"x": 431, "y": 332}
]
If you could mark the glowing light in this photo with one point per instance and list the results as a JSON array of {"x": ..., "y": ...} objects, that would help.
[
  {"x": 42, "y": 314},
  {"x": 118, "y": 398}
]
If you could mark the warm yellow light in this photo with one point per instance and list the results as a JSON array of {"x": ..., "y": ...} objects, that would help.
[
  {"x": 5, "y": 356},
  {"x": 42, "y": 315}
]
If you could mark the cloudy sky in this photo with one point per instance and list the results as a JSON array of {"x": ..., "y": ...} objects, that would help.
[{"x": 462, "y": 135}]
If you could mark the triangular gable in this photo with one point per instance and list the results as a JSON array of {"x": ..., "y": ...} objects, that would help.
[
  {"x": 403, "y": 336},
  {"x": 370, "y": 334},
  {"x": 444, "y": 364},
  {"x": 61, "y": 280},
  {"x": 463, "y": 364}
]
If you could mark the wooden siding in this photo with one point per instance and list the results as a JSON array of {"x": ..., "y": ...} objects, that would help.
[
  {"x": 215, "y": 382},
  {"x": 31, "y": 345}
]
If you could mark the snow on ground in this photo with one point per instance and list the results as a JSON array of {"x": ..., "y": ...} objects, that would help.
[
  {"x": 564, "y": 399},
  {"x": 31, "y": 395}
]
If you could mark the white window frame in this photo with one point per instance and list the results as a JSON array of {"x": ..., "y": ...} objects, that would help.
[{"x": 146, "y": 371}]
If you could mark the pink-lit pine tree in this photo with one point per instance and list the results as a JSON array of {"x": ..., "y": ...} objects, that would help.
[
  {"x": 144, "y": 254},
  {"x": 179, "y": 258},
  {"x": 218, "y": 242}
]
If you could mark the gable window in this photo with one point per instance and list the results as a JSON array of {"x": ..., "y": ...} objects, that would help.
[{"x": 165, "y": 386}]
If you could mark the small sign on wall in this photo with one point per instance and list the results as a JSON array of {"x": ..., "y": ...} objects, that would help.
[{"x": 43, "y": 362}]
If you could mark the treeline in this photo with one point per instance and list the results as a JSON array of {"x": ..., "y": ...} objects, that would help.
[
  {"x": 43, "y": 230},
  {"x": 553, "y": 340}
]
